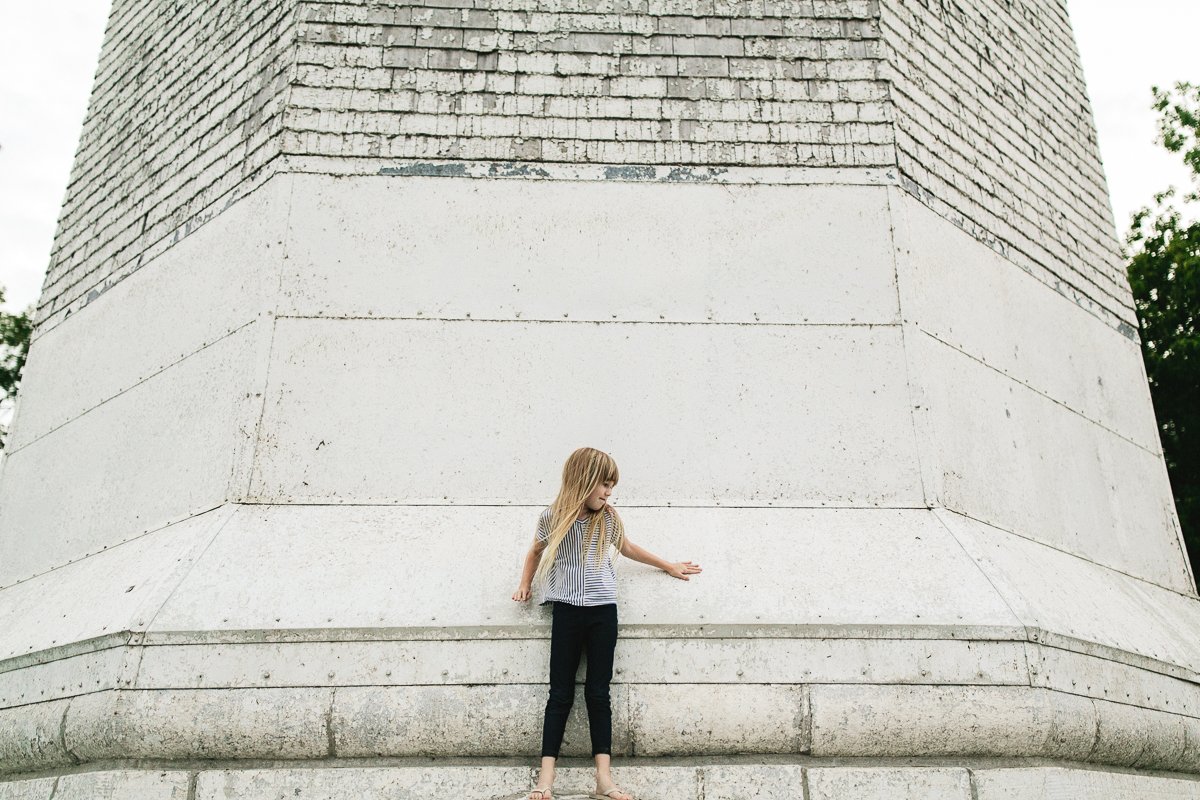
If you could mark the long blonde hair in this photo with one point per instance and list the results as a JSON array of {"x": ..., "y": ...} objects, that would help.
[{"x": 585, "y": 469}]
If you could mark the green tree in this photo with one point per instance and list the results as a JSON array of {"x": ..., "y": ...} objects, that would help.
[
  {"x": 1164, "y": 272},
  {"x": 15, "y": 330}
]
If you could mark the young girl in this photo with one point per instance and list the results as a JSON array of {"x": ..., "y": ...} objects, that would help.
[{"x": 570, "y": 558}]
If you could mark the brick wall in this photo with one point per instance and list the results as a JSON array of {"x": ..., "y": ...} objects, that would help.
[
  {"x": 981, "y": 105},
  {"x": 993, "y": 120},
  {"x": 619, "y": 81},
  {"x": 186, "y": 105}
]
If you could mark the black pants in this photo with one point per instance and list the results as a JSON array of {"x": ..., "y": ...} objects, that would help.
[{"x": 576, "y": 628}]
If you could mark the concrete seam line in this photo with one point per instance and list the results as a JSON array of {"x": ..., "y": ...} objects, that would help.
[
  {"x": 62, "y": 652},
  {"x": 188, "y": 571},
  {"x": 62, "y": 735},
  {"x": 1016, "y": 617},
  {"x": 1096, "y": 735},
  {"x": 1064, "y": 552},
  {"x": 54, "y": 789},
  {"x": 330, "y": 738},
  {"x": 132, "y": 386},
  {"x": 183, "y": 518},
  {"x": 1038, "y": 392}
]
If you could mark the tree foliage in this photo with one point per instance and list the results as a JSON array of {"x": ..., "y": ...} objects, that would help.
[
  {"x": 1179, "y": 123},
  {"x": 1164, "y": 273},
  {"x": 15, "y": 330}
]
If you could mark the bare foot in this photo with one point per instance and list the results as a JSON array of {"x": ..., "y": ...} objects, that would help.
[{"x": 540, "y": 794}]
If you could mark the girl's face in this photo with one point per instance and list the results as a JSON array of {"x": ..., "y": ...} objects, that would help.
[{"x": 599, "y": 496}]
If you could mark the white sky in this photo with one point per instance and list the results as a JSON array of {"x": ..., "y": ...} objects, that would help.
[{"x": 48, "y": 57}]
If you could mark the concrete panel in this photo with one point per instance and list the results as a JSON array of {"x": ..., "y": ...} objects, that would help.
[
  {"x": 63, "y": 677},
  {"x": 1018, "y": 460},
  {"x": 409, "y": 246},
  {"x": 1044, "y": 783},
  {"x": 124, "y": 785},
  {"x": 972, "y": 298},
  {"x": 820, "y": 660},
  {"x": 380, "y": 411},
  {"x": 504, "y": 656},
  {"x": 455, "y": 720},
  {"x": 160, "y": 452},
  {"x": 907, "y": 783},
  {"x": 226, "y": 723},
  {"x": 1070, "y": 596},
  {"x": 950, "y": 721},
  {"x": 458, "y": 783},
  {"x": 364, "y": 567},
  {"x": 714, "y": 719},
  {"x": 115, "y": 590},
  {"x": 31, "y": 737},
  {"x": 35, "y": 789},
  {"x": 208, "y": 285},
  {"x": 1103, "y": 679}
]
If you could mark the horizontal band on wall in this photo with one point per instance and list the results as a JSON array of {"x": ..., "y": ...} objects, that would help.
[{"x": 861, "y": 721}]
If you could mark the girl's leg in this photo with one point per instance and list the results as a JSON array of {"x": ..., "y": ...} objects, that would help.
[
  {"x": 601, "y": 645},
  {"x": 566, "y": 646}
]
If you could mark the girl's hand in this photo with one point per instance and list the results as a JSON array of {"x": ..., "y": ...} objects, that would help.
[
  {"x": 682, "y": 569},
  {"x": 521, "y": 594}
]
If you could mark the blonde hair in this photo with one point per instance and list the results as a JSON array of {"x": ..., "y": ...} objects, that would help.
[{"x": 585, "y": 469}]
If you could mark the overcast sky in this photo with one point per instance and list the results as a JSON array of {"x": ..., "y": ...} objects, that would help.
[{"x": 45, "y": 80}]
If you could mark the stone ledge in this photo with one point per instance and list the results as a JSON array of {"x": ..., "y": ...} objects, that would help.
[
  {"x": 685, "y": 720},
  {"x": 648, "y": 779}
]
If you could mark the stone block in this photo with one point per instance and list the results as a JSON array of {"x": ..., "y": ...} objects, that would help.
[
  {"x": 182, "y": 724},
  {"x": 446, "y": 721},
  {"x": 124, "y": 785},
  {"x": 31, "y": 739},
  {"x": 1009, "y": 721},
  {"x": 1037, "y": 783},
  {"x": 913, "y": 783},
  {"x": 459, "y": 783},
  {"x": 31, "y": 789},
  {"x": 682, "y": 719},
  {"x": 753, "y": 782}
]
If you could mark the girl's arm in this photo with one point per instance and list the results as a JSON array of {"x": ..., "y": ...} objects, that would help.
[
  {"x": 532, "y": 558},
  {"x": 680, "y": 569}
]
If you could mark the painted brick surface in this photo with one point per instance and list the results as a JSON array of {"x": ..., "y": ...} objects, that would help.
[
  {"x": 186, "y": 108},
  {"x": 993, "y": 119},
  {"x": 981, "y": 106}
]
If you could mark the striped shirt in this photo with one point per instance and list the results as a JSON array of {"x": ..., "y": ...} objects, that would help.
[{"x": 576, "y": 577}]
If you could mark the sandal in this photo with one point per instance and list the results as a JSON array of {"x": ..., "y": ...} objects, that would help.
[
  {"x": 609, "y": 794},
  {"x": 540, "y": 794}
]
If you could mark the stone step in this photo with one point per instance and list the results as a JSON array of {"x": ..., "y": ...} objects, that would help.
[{"x": 707, "y": 779}]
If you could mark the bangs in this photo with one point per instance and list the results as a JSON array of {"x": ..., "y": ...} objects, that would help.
[{"x": 607, "y": 469}]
